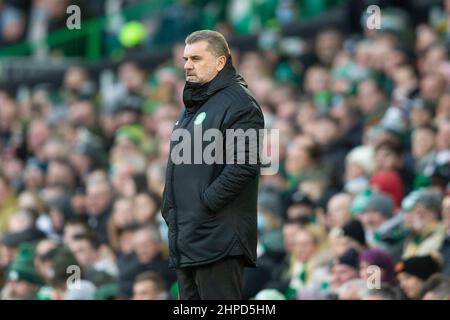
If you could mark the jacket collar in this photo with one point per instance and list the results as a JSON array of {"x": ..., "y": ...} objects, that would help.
[{"x": 195, "y": 94}]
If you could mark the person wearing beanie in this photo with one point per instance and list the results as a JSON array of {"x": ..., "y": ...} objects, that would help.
[
  {"x": 413, "y": 272},
  {"x": 378, "y": 209},
  {"x": 390, "y": 183},
  {"x": 355, "y": 230},
  {"x": 306, "y": 265},
  {"x": 358, "y": 167},
  {"x": 351, "y": 235},
  {"x": 22, "y": 280},
  {"x": 381, "y": 259},
  {"x": 301, "y": 208},
  {"x": 428, "y": 233},
  {"x": 383, "y": 229},
  {"x": 344, "y": 269}
]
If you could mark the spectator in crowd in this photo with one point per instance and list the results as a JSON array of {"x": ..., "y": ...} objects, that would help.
[
  {"x": 99, "y": 197},
  {"x": 427, "y": 231},
  {"x": 338, "y": 210},
  {"x": 97, "y": 269},
  {"x": 345, "y": 268},
  {"x": 147, "y": 255},
  {"x": 378, "y": 258},
  {"x": 437, "y": 287},
  {"x": 149, "y": 286},
  {"x": 413, "y": 272}
]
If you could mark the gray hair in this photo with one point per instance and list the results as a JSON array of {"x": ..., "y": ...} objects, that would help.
[{"x": 216, "y": 41}]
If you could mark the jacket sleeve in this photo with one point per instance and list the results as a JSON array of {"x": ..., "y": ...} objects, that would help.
[{"x": 235, "y": 175}]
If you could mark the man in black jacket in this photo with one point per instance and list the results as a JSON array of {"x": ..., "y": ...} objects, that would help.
[{"x": 210, "y": 207}]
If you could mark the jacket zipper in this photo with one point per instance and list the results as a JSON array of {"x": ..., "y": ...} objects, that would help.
[{"x": 177, "y": 253}]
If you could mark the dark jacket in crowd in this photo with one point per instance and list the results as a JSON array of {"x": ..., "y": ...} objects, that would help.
[
  {"x": 445, "y": 252},
  {"x": 130, "y": 267},
  {"x": 99, "y": 223},
  {"x": 211, "y": 209}
]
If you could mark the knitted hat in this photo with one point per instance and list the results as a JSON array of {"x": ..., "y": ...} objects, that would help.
[
  {"x": 22, "y": 268},
  {"x": 422, "y": 267},
  {"x": 299, "y": 198},
  {"x": 349, "y": 258},
  {"x": 354, "y": 229},
  {"x": 363, "y": 156},
  {"x": 382, "y": 259},
  {"x": 379, "y": 202},
  {"x": 429, "y": 200},
  {"x": 389, "y": 182},
  {"x": 62, "y": 204}
]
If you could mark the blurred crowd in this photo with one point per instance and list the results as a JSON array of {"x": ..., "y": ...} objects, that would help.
[
  {"x": 359, "y": 209},
  {"x": 148, "y": 23}
]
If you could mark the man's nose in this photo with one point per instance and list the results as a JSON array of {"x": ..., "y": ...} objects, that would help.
[{"x": 188, "y": 65}]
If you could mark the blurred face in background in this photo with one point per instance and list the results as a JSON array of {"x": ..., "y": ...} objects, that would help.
[
  {"x": 7, "y": 254},
  {"x": 340, "y": 274},
  {"x": 8, "y": 114},
  {"x": 328, "y": 44},
  {"x": 371, "y": 219},
  {"x": 289, "y": 232},
  {"x": 298, "y": 158},
  {"x": 98, "y": 197},
  {"x": 420, "y": 117},
  {"x": 326, "y": 131},
  {"x": 422, "y": 142},
  {"x": 386, "y": 159},
  {"x": 410, "y": 285},
  {"x": 317, "y": 79},
  {"x": 132, "y": 77},
  {"x": 20, "y": 290},
  {"x": 304, "y": 245},
  {"x": 432, "y": 86},
  {"x": 122, "y": 212},
  {"x": 37, "y": 134},
  {"x": 70, "y": 231},
  {"x": 44, "y": 267},
  {"x": 369, "y": 96},
  {"x": 421, "y": 217},
  {"x": 83, "y": 251},
  {"x": 33, "y": 178},
  {"x": 145, "y": 246},
  {"x": 338, "y": 210},
  {"x": 144, "y": 208},
  {"x": 146, "y": 290}
]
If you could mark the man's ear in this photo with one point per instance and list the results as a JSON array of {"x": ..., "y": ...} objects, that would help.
[{"x": 220, "y": 62}]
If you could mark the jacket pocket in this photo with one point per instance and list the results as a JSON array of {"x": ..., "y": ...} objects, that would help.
[{"x": 203, "y": 202}]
